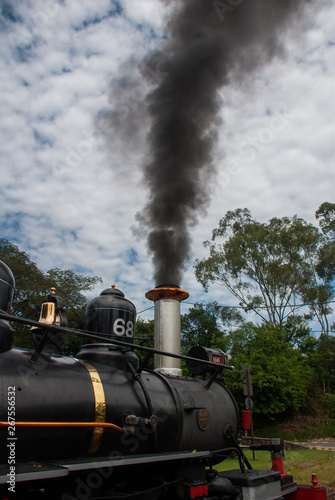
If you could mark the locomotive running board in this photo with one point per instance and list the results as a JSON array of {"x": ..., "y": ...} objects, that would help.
[
  {"x": 31, "y": 471},
  {"x": 35, "y": 471}
]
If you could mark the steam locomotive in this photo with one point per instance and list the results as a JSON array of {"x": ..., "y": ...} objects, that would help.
[{"x": 101, "y": 426}]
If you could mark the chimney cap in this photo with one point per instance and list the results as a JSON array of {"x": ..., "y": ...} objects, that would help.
[{"x": 167, "y": 292}]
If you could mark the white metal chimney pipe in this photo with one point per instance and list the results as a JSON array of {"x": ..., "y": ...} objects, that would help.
[{"x": 167, "y": 326}]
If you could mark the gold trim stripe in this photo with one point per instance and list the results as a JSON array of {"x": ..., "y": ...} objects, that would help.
[{"x": 100, "y": 405}]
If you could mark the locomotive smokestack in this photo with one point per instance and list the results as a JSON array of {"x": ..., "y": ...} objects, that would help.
[{"x": 167, "y": 300}]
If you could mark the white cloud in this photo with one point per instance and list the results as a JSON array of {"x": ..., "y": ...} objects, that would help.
[{"x": 71, "y": 202}]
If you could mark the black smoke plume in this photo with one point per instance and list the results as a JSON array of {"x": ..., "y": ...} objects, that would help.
[{"x": 208, "y": 44}]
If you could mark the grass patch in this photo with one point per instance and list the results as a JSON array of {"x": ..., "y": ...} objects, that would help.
[{"x": 299, "y": 463}]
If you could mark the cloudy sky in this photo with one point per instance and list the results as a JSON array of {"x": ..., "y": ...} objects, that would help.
[{"x": 70, "y": 193}]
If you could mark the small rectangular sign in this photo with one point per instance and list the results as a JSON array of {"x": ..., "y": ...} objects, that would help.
[{"x": 217, "y": 359}]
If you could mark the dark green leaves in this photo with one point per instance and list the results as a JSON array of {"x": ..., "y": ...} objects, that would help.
[
  {"x": 261, "y": 264},
  {"x": 32, "y": 286}
]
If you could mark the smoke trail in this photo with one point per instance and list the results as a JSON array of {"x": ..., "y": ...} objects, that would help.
[{"x": 208, "y": 43}]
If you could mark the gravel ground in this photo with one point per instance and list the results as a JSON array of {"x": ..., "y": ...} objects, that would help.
[{"x": 320, "y": 445}]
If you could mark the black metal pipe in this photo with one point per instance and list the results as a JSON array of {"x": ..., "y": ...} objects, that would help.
[{"x": 91, "y": 336}]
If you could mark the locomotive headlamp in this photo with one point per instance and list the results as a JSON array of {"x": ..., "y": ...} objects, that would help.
[
  {"x": 52, "y": 311},
  {"x": 205, "y": 354}
]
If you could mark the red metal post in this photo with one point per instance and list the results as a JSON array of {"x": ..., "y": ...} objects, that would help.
[{"x": 314, "y": 492}]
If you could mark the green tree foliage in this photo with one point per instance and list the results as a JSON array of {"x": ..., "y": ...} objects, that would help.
[
  {"x": 317, "y": 289},
  {"x": 145, "y": 336},
  {"x": 298, "y": 334},
  {"x": 231, "y": 317},
  {"x": 318, "y": 296},
  {"x": 29, "y": 279},
  {"x": 262, "y": 264},
  {"x": 32, "y": 286},
  {"x": 322, "y": 360},
  {"x": 325, "y": 214},
  {"x": 71, "y": 344},
  {"x": 280, "y": 357},
  {"x": 200, "y": 326},
  {"x": 70, "y": 285},
  {"x": 145, "y": 331},
  {"x": 280, "y": 373}
]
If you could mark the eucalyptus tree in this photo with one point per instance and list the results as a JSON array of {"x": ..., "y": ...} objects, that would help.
[
  {"x": 318, "y": 290},
  {"x": 262, "y": 264}
]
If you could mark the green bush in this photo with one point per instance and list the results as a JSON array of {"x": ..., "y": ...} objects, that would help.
[
  {"x": 280, "y": 374},
  {"x": 328, "y": 404}
]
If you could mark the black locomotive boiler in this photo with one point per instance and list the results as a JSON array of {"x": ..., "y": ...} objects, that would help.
[{"x": 100, "y": 425}]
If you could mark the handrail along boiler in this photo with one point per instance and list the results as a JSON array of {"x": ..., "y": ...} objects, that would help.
[{"x": 100, "y": 425}]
